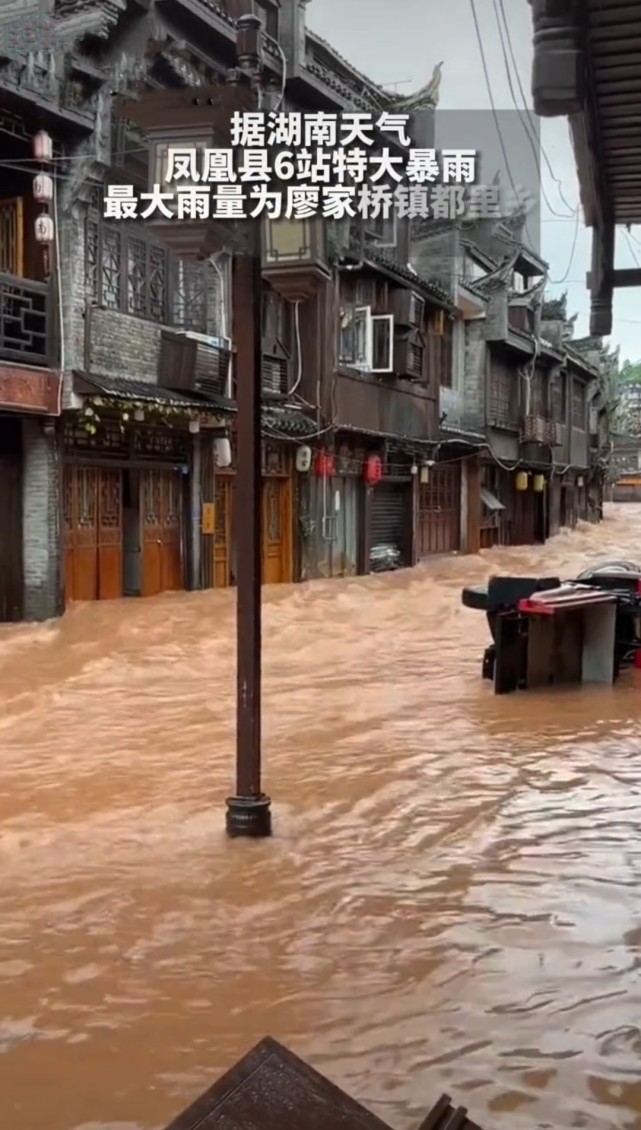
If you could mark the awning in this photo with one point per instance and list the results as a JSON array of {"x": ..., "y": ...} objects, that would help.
[
  {"x": 121, "y": 388},
  {"x": 288, "y": 423},
  {"x": 452, "y": 432},
  {"x": 491, "y": 501}
]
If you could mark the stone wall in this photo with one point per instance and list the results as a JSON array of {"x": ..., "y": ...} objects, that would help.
[{"x": 41, "y": 526}]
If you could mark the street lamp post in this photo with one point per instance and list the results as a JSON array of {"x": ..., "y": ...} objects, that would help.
[
  {"x": 202, "y": 114},
  {"x": 249, "y": 810}
]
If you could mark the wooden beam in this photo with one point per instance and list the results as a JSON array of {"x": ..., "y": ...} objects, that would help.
[
  {"x": 601, "y": 279},
  {"x": 628, "y": 277}
]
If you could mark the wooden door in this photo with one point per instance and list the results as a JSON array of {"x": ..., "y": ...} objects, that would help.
[
  {"x": 93, "y": 533},
  {"x": 224, "y": 494},
  {"x": 344, "y": 547},
  {"x": 81, "y": 533},
  {"x": 12, "y": 236},
  {"x": 440, "y": 510},
  {"x": 110, "y": 573},
  {"x": 11, "y": 583},
  {"x": 277, "y": 565},
  {"x": 162, "y": 541}
]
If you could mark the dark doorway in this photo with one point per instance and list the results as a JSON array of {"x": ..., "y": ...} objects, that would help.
[{"x": 11, "y": 573}]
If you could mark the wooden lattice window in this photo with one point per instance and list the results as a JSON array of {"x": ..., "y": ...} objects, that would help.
[
  {"x": 503, "y": 397},
  {"x": 12, "y": 236},
  {"x": 439, "y": 349},
  {"x": 578, "y": 405},
  {"x": 125, "y": 270}
]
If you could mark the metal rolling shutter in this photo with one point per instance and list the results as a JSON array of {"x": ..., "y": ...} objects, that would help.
[{"x": 389, "y": 515}]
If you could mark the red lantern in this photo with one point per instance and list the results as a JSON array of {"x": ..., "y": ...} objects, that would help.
[
  {"x": 324, "y": 465},
  {"x": 373, "y": 470}
]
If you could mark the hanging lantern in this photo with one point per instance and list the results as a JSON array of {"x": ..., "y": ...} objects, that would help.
[
  {"x": 424, "y": 474},
  {"x": 194, "y": 427},
  {"x": 249, "y": 42},
  {"x": 579, "y": 482},
  {"x": 42, "y": 146},
  {"x": 222, "y": 451},
  {"x": 521, "y": 480},
  {"x": 44, "y": 229},
  {"x": 539, "y": 483},
  {"x": 414, "y": 469},
  {"x": 324, "y": 464},
  {"x": 303, "y": 459},
  {"x": 43, "y": 188},
  {"x": 373, "y": 470},
  {"x": 139, "y": 416}
]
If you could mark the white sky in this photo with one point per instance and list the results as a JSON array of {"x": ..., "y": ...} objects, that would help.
[{"x": 397, "y": 40}]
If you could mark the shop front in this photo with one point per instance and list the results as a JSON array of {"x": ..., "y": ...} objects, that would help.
[
  {"x": 277, "y": 518},
  {"x": 439, "y": 510},
  {"x": 391, "y": 516},
  {"x": 126, "y": 513}
]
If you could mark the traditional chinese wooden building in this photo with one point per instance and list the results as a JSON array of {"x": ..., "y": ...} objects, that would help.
[{"x": 37, "y": 116}]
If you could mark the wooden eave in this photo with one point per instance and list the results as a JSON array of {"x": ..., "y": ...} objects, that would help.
[
  {"x": 607, "y": 134},
  {"x": 207, "y": 25},
  {"x": 581, "y": 368},
  {"x": 339, "y": 64},
  {"x": 208, "y": 16},
  {"x": 44, "y": 111}
]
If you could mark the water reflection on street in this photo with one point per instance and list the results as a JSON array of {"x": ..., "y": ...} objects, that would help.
[{"x": 451, "y": 900}]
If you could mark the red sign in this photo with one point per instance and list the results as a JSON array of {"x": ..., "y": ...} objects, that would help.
[
  {"x": 325, "y": 464},
  {"x": 30, "y": 390}
]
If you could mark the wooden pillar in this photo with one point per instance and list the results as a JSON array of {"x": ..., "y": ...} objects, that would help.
[
  {"x": 558, "y": 68},
  {"x": 414, "y": 553},
  {"x": 601, "y": 279},
  {"x": 472, "y": 532},
  {"x": 195, "y": 515}
]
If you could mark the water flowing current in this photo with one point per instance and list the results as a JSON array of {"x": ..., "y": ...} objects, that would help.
[{"x": 451, "y": 900}]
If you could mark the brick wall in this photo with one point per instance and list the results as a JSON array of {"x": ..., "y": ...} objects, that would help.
[
  {"x": 122, "y": 346},
  {"x": 42, "y": 543}
]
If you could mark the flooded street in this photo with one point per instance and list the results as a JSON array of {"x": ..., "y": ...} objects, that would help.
[{"x": 451, "y": 900}]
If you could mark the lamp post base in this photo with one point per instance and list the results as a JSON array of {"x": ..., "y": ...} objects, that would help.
[{"x": 250, "y": 817}]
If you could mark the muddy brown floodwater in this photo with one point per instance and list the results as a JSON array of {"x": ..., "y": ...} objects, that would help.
[{"x": 451, "y": 901}]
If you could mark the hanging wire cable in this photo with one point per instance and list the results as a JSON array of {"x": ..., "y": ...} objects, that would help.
[
  {"x": 575, "y": 240},
  {"x": 557, "y": 182},
  {"x": 488, "y": 84},
  {"x": 632, "y": 250}
]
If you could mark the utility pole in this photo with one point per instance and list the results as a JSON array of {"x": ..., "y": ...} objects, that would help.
[
  {"x": 163, "y": 114},
  {"x": 249, "y": 810}
]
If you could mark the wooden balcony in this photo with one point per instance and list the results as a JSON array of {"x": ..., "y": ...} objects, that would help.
[
  {"x": 520, "y": 318},
  {"x": 25, "y": 321},
  {"x": 194, "y": 363}
]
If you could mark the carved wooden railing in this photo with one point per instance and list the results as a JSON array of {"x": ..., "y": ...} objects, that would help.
[{"x": 24, "y": 320}]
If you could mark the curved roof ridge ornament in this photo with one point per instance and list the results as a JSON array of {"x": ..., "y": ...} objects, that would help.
[{"x": 425, "y": 98}]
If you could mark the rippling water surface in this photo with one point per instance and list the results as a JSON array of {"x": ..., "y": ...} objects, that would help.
[{"x": 451, "y": 900}]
